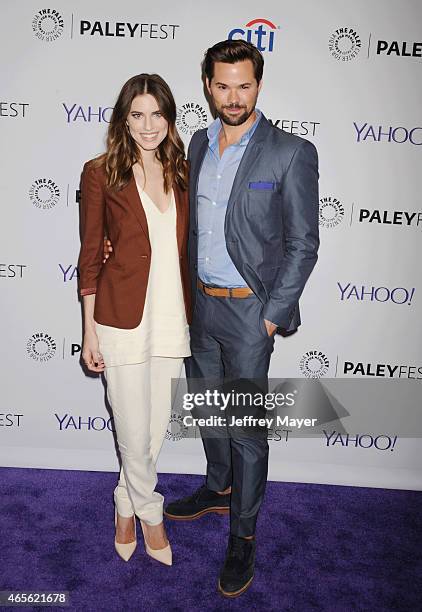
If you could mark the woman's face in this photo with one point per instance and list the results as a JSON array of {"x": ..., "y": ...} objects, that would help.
[{"x": 146, "y": 124}]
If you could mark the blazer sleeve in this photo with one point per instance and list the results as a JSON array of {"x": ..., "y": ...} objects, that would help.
[
  {"x": 92, "y": 225},
  {"x": 301, "y": 234}
]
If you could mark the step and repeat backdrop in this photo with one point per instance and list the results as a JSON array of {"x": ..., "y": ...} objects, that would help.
[{"x": 345, "y": 75}]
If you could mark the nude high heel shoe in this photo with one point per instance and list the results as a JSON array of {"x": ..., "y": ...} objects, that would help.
[
  {"x": 163, "y": 555},
  {"x": 125, "y": 551}
]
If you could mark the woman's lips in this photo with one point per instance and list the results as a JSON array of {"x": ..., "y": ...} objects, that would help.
[{"x": 149, "y": 136}]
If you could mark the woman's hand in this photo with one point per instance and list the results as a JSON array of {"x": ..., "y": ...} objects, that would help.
[
  {"x": 107, "y": 247},
  {"x": 91, "y": 353}
]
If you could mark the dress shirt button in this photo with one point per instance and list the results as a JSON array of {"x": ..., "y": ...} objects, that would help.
[
  {"x": 210, "y": 231},
  {"x": 207, "y": 259},
  {"x": 219, "y": 176},
  {"x": 214, "y": 203}
]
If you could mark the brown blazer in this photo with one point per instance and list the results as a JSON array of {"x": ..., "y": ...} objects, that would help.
[{"x": 121, "y": 283}]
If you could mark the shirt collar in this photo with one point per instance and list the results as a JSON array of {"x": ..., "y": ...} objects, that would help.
[{"x": 215, "y": 127}]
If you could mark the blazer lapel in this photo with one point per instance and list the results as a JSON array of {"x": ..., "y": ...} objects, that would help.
[
  {"x": 253, "y": 151},
  {"x": 134, "y": 201}
]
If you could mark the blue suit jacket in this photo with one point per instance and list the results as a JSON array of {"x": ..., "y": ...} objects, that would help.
[{"x": 271, "y": 224}]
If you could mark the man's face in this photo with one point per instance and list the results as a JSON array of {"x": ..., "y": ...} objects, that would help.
[{"x": 234, "y": 91}]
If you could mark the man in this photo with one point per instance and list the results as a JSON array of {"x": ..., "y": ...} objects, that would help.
[{"x": 252, "y": 246}]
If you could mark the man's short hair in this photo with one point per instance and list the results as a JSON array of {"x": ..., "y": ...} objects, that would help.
[{"x": 231, "y": 52}]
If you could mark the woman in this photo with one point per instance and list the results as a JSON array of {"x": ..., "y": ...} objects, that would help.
[{"x": 137, "y": 305}]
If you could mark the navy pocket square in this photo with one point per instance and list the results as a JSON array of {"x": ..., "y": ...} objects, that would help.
[{"x": 262, "y": 185}]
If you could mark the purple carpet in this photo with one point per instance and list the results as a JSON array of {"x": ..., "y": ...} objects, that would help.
[{"x": 319, "y": 547}]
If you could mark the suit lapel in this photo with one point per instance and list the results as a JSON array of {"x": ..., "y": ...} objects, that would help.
[
  {"x": 253, "y": 151},
  {"x": 132, "y": 196},
  {"x": 250, "y": 157}
]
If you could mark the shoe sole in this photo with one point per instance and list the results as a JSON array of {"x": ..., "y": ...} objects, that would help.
[
  {"x": 236, "y": 593},
  {"x": 192, "y": 517}
]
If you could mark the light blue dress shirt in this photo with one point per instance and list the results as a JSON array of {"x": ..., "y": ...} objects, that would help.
[{"x": 216, "y": 178}]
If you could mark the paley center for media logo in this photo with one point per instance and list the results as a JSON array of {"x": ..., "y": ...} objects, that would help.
[
  {"x": 190, "y": 118},
  {"x": 344, "y": 44},
  {"x": 44, "y": 193},
  {"x": 41, "y": 347},
  {"x": 314, "y": 364},
  {"x": 260, "y": 32},
  {"x": 48, "y": 25},
  {"x": 176, "y": 429},
  {"x": 331, "y": 212}
]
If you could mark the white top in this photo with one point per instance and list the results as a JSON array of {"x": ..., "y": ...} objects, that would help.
[{"x": 163, "y": 330}]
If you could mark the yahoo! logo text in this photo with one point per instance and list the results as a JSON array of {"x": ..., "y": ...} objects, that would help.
[
  {"x": 360, "y": 293},
  {"x": 380, "y": 133},
  {"x": 87, "y": 114},
  {"x": 380, "y": 442},
  {"x": 69, "y": 272}
]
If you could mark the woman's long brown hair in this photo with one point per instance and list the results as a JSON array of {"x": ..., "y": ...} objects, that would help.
[{"x": 123, "y": 152}]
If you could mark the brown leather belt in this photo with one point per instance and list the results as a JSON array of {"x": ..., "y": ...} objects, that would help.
[{"x": 235, "y": 292}]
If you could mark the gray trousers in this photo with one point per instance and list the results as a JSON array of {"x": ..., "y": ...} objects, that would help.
[{"x": 229, "y": 343}]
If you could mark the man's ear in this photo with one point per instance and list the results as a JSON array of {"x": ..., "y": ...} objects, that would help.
[
  {"x": 208, "y": 85},
  {"x": 260, "y": 85}
]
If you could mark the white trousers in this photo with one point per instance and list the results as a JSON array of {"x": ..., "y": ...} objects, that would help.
[{"x": 140, "y": 397}]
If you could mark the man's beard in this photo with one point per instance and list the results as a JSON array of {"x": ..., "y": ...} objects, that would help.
[{"x": 233, "y": 121}]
